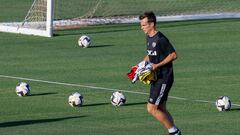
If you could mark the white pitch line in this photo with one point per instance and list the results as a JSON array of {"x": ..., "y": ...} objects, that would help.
[
  {"x": 100, "y": 88},
  {"x": 69, "y": 84},
  {"x": 205, "y": 101},
  {"x": 236, "y": 105}
]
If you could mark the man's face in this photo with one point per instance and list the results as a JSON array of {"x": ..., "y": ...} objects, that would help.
[{"x": 146, "y": 26}]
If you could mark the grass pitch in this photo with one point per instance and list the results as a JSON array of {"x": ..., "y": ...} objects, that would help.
[{"x": 207, "y": 67}]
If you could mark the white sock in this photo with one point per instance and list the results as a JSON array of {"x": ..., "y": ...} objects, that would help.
[{"x": 172, "y": 129}]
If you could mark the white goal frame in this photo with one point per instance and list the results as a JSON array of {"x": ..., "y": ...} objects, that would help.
[{"x": 15, "y": 27}]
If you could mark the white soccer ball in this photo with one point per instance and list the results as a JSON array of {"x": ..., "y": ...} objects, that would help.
[
  {"x": 118, "y": 99},
  {"x": 84, "y": 41},
  {"x": 223, "y": 103},
  {"x": 23, "y": 89},
  {"x": 75, "y": 99}
]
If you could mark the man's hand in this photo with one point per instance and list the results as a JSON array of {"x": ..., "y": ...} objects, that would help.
[{"x": 154, "y": 66}]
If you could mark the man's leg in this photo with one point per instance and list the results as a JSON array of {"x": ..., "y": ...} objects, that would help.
[
  {"x": 157, "y": 105},
  {"x": 161, "y": 114},
  {"x": 164, "y": 107}
]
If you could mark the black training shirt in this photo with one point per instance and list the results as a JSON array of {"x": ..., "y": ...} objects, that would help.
[{"x": 158, "y": 48}]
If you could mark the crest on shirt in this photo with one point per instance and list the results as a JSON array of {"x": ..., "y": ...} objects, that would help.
[{"x": 154, "y": 44}]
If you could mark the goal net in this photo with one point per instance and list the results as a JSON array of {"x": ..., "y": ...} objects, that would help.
[{"x": 43, "y": 17}]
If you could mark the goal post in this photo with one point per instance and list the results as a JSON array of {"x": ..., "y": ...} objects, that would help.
[
  {"x": 50, "y": 18},
  {"x": 43, "y": 17},
  {"x": 38, "y": 21}
]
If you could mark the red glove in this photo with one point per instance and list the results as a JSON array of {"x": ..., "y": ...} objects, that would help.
[{"x": 132, "y": 73}]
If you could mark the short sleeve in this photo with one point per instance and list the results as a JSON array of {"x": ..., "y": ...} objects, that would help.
[{"x": 166, "y": 46}]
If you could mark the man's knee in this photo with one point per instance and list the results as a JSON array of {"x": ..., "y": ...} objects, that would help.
[{"x": 151, "y": 108}]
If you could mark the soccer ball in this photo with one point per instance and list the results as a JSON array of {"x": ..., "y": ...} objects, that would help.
[
  {"x": 118, "y": 99},
  {"x": 223, "y": 103},
  {"x": 23, "y": 89},
  {"x": 84, "y": 41},
  {"x": 75, "y": 99}
]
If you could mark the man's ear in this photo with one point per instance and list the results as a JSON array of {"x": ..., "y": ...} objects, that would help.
[{"x": 152, "y": 24}]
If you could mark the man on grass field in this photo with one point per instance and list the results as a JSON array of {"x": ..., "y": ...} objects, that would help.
[{"x": 161, "y": 53}]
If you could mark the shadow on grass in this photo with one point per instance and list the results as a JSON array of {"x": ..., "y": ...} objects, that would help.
[
  {"x": 127, "y": 104},
  {"x": 139, "y": 103},
  {"x": 39, "y": 121},
  {"x": 43, "y": 94},
  {"x": 97, "y": 46},
  {"x": 97, "y": 104},
  {"x": 235, "y": 109}
]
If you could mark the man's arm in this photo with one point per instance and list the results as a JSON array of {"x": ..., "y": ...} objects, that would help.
[
  {"x": 146, "y": 58},
  {"x": 171, "y": 57}
]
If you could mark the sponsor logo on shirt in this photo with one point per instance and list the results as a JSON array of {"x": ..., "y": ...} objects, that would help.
[{"x": 152, "y": 53}]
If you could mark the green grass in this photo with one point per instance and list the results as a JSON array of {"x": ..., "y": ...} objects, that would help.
[{"x": 207, "y": 67}]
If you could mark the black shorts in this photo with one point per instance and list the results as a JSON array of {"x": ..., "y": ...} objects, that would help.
[{"x": 159, "y": 91}]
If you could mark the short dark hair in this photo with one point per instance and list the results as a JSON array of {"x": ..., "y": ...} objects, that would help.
[{"x": 150, "y": 16}]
